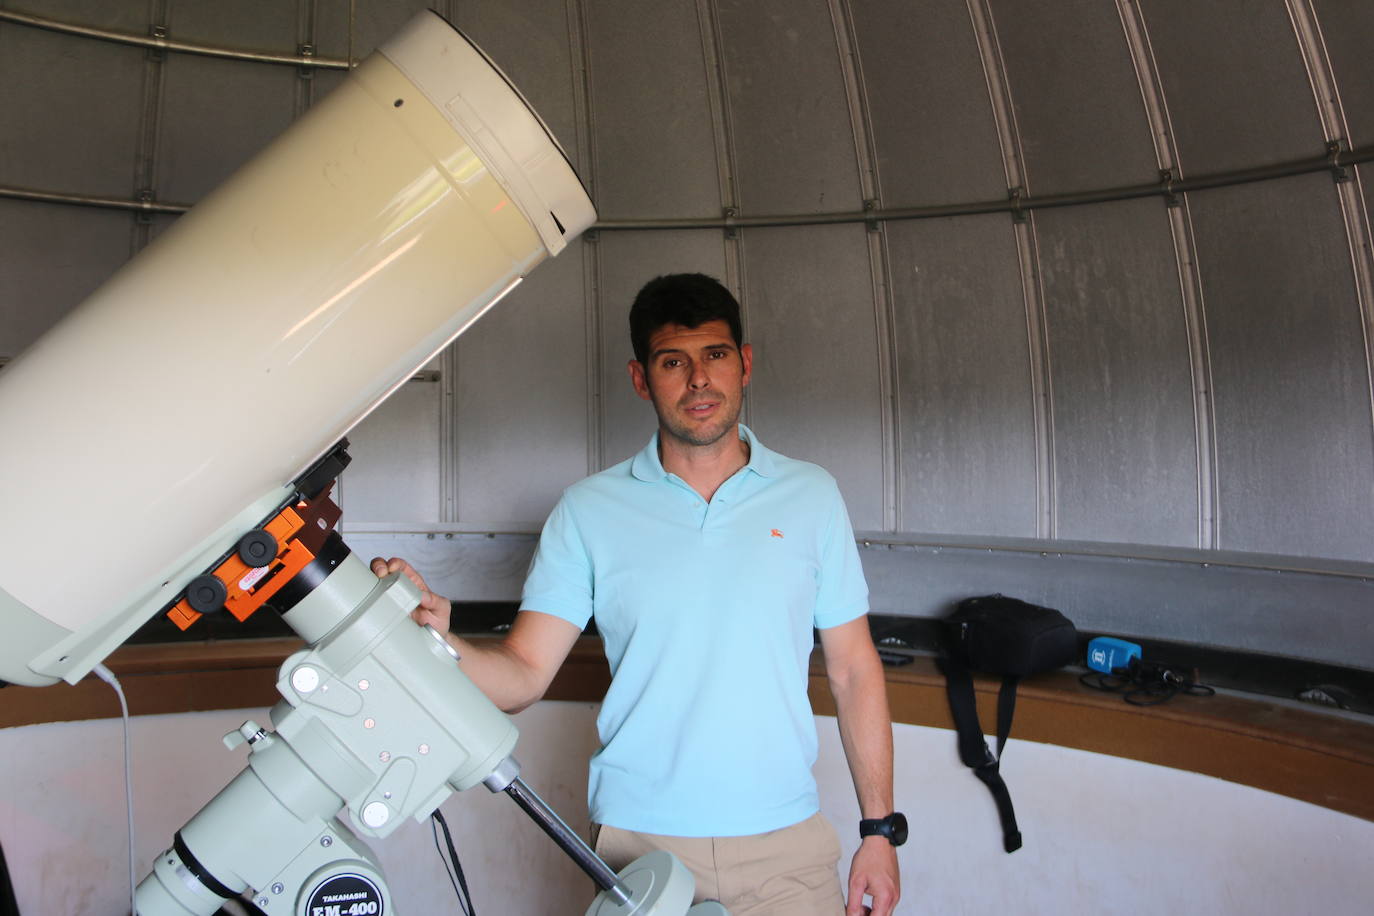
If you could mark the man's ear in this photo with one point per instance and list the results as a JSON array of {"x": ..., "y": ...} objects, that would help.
[
  {"x": 746, "y": 355},
  {"x": 639, "y": 379}
]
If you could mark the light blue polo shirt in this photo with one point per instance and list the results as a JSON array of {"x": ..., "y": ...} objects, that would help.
[{"x": 706, "y": 612}]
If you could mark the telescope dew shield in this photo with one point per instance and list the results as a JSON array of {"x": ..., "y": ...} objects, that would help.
[{"x": 171, "y": 410}]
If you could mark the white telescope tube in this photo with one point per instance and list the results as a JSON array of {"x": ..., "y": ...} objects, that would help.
[{"x": 172, "y": 409}]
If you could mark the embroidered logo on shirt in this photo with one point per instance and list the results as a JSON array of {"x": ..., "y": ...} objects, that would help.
[{"x": 775, "y": 533}]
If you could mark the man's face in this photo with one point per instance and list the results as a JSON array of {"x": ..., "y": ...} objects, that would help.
[{"x": 695, "y": 378}]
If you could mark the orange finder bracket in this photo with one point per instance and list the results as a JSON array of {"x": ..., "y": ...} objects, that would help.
[{"x": 300, "y": 530}]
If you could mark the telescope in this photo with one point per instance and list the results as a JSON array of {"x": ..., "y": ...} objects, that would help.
[{"x": 170, "y": 448}]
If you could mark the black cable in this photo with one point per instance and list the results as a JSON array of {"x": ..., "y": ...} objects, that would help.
[
  {"x": 1146, "y": 683},
  {"x": 448, "y": 869},
  {"x": 464, "y": 895}
]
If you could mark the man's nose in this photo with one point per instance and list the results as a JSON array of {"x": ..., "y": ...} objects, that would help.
[{"x": 699, "y": 378}]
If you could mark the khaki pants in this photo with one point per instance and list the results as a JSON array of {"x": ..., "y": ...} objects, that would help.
[{"x": 787, "y": 872}]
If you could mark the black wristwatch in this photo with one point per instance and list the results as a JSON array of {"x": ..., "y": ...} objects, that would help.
[{"x": 893, "y": 827}]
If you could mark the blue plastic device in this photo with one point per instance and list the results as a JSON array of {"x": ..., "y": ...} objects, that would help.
[{"x": 1107, "y": 653}]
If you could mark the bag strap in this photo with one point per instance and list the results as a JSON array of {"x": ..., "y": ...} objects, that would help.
[
  {"x": 1006, "y": 708},
  {"x": 973, "y": 748}
]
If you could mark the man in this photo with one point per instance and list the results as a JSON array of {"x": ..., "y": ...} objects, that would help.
[{"x": 706, "y": 560}]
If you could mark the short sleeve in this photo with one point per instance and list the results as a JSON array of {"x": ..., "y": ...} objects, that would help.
[
  {"x": 560, "y": 577},
  {"x": 842, "y": 591}
]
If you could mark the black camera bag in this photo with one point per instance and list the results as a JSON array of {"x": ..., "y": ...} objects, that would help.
[{"x": 1008, "y": 637}]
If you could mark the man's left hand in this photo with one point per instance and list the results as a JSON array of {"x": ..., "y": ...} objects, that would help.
[{"x": 874, "y": 872}]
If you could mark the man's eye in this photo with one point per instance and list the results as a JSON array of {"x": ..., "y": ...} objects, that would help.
[
  {"x": 717, "y": 354},
  {"x": 671, "y": 363}
]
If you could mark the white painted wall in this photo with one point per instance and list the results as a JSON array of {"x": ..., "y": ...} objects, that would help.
[
  {"x": 1105, "y": 834},
  {"x": 1101, "y": 833}
]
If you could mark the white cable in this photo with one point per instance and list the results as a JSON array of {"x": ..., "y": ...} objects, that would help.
[{"x": 106, "y": 675}]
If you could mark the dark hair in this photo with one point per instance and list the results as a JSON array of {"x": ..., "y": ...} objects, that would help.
[{"x": 690, "y": 300}]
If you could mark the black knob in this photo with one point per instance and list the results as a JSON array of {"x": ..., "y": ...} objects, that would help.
[
  {"x": 206, "y": 594},
  {"x": 258, "y": 548}
]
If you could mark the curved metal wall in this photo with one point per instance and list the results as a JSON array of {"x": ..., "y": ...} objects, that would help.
[{"x": 1191, "y": 375}]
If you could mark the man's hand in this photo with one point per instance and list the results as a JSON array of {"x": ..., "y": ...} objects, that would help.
[
  {"x": 434, "y": 610},
  {"x": 859, "y": 687},
  {"x": 874, "y": 872}
]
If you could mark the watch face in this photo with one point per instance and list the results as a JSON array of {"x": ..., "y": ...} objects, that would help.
[
  {"x": 897, "y": 824},
  {"x": 893, "y": 827}
]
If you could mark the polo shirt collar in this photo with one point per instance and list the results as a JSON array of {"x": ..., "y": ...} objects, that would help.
[{"x": 647, "y": 466}]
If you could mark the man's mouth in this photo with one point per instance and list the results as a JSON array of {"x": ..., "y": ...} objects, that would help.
[{"x": 701, "y": 408}]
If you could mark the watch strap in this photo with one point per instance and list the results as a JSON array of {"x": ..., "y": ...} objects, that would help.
[{"x": 893, "y": 827}]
